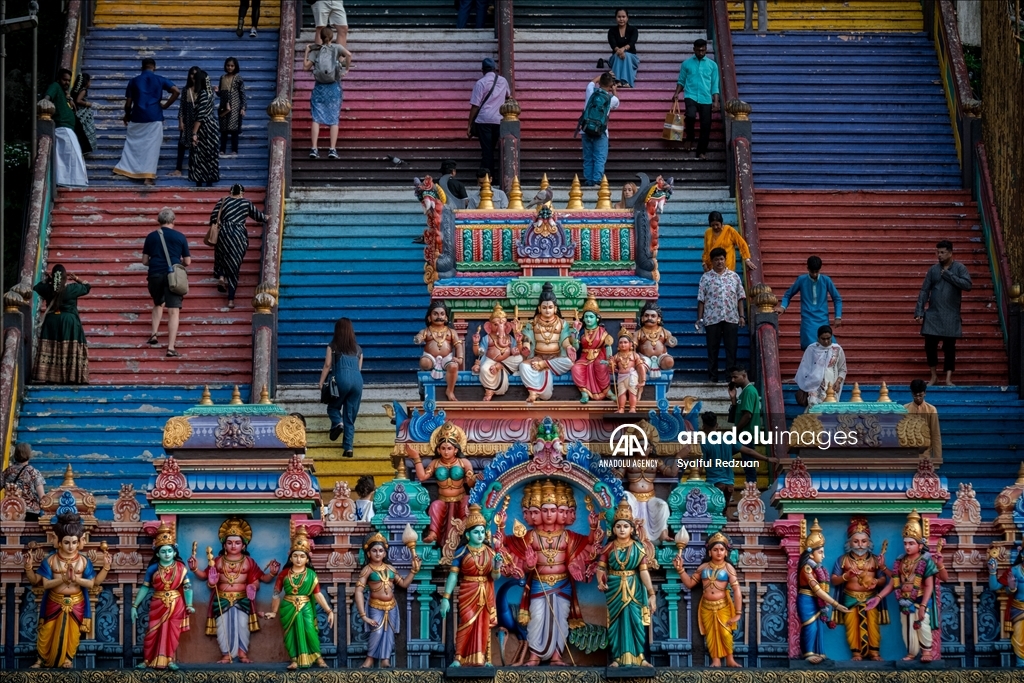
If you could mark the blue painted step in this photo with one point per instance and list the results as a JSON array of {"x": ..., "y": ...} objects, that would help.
[
  {"x": 109, "y": 434},
  {"x": 113, "y": 57},
  {"x": 981, "y": 435},
  {"x": 849, "y": 111}
]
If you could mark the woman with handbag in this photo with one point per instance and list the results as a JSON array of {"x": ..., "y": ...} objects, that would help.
[
  {"x": 231, "y": 110},
  {"x": 229, "y": 239},
  {"x": 341, "y": 383}
]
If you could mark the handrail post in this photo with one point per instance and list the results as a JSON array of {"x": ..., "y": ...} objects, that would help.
[
  {"x": 1015, "y": 334},
  {"x": 509, "y": 131}
]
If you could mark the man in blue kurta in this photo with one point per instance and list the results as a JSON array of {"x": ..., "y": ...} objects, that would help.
[{"x": 814, "y": 290}]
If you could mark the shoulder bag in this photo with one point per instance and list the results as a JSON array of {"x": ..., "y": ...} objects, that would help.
[
  {"x": 329, "y": 391},
  {"x": 214, "y": 232},
  {"x": 177, "y": 276},
  {"x": 474, "y": 127}
]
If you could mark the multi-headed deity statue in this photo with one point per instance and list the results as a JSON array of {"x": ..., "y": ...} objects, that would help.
[
  {"x": 590, "y": 371},
  {"x": 913, "y": 581},
  {"x": 381, "y": 614},
  {"x": 546, "y": 342},
  {"x": 497, "y": 353},
  {"x": 1012, "y": 581},
  {"x": 630, "y": 372},
  {"x": 65, "y": 576},
  {"x": 813, "y": 603},
  {"x": 721, "y": 605},
  {"x": 454, "y": 475},
  {"x": 858, "y": 576},
  {"x": 474, "y": 568},
  {"x": 170, "y": 605},
  {"x": 623, "y": 577},
  {"x": 234, "y": 578},
  {"x": 547, "y": 556},
  {"x": 295, "y": 591},
  {"x": 443, "y": 353},
  {"x": 653, "y": 341}
]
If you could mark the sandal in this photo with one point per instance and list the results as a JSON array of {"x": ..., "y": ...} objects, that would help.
[
  {"x": 231, "y": 304},
  {"x": 153, "y": 341},
  {"x": 171, "y": 353}
]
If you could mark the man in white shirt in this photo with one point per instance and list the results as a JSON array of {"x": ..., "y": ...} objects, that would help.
[
  {"x": 595, "y": 148},
  {"x": 489, "y": 94}
]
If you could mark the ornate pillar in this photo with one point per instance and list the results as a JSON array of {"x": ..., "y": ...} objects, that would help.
[{"x": 789, "y": 531}]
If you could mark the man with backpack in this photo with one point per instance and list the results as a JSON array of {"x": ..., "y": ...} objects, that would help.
[
  {"x": 698, "y": 82},
  {"x": 601, "y": 99}
]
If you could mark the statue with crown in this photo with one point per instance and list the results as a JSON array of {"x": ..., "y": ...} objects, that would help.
[{"x": 170, "y": 605}]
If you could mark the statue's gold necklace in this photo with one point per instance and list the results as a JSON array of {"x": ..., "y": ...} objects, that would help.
[{"x": 547, "y": 331}]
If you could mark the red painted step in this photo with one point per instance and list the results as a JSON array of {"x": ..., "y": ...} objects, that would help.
[
  {"x": 98, "y": 234},
  {"x": 877, "y": 247}
]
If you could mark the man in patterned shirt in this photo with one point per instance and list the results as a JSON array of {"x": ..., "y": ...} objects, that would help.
[
  {"x": 26, "y": 479},
  {"x": 720, "y": 310}
]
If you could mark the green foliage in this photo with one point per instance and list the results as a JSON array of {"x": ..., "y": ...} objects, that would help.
[{"x": 972, "y": 57}]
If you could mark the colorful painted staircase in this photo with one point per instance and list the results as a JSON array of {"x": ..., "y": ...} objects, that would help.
[
  {"x": 113, "y": 56},
  {"x": 981, "y": 428},
  {"x": 553, "y": 67},
  {"x": 846, "y": 111},
  {"x": 98, "y": 235},
  {"x": 108, "y": 434},
  {"x": 179, "y": 14},
  {"x": 405, "y": 108},
  {"x": 600, "y": 14},
  {"x": 836, "y": 15},
  {"x": 877, "y": 247},
  {"x": 388, "y": 14}
]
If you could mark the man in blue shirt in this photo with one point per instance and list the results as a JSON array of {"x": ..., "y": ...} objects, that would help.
[
  {"x": 698, "y": 81},
  {"x": 153, "y": 256},
  {"x": 144, "y": 116},
  {"x": 814, "y": 290}
]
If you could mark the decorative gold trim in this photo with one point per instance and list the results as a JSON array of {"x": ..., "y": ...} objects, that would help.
[
  {"x": 807, "y": 422},
  {"x": 177, "y": 431},
  {"x": 913, "y": 432},
  {"x": 291, "y": 432}
]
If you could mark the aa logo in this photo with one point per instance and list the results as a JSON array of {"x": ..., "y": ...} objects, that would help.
[{"x": 628, "y": 440}]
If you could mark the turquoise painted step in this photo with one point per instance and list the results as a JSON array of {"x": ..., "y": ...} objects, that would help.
[
  {"x": 981, "y": 435},
  {"x": 109, "y": 434}
]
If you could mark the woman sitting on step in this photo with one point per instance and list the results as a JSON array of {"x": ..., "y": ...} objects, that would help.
[
  {"x": 624, "y": 62},
  {"x": 63, "y": 355}
]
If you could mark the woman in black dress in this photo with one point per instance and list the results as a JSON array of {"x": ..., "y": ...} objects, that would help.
[
  {"x": 231, "y": 92},
  {"x": 204, "y": 160},
  {"x": 232, "y": 238},
  {"x": 186, "y": 119},
  {"x": 63, "y": 354}
]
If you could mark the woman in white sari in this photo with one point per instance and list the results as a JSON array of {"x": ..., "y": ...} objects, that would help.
[{"x": 823, "y": 366}]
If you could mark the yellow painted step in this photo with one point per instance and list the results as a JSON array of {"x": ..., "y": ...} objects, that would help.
[
  {"x": 375, "y": 439},
  {"x": 201, "y": 14},
  {"x": 829, "y": 15}
]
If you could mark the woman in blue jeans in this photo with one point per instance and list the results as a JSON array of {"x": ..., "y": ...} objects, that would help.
[{"x": 344, "y": 358}]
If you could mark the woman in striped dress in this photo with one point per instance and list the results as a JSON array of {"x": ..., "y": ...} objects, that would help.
[
  {"x": 203, "y": 160},
  {"x": 232, "y": 238},
  {"x": 83, "y": 110}
]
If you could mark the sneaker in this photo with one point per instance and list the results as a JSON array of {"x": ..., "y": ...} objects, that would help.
[
  {"x": 238, "y": 31},
  {"x": 313, "y": 154},
  {"x": 336, "y": 431},
  {"x": 332, "y": 154},
  {"x": 347, "y": 454},
  {"x": 252, "y": 33}
]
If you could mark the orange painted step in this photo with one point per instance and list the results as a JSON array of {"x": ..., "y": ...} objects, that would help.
[
  {"x": 98, "y": 234},
  {"x": 877, "y": 247}
]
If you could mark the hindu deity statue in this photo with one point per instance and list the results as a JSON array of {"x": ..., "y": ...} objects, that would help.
[
  {"x": 497, "y": 353},
  {"x": 546, "y": 342},
  {"x": 455, "y": 478},
  {"x": 858, "y": 576},
  {"x": 443, "y": 353},
  {"x": 296, "y": 589},
  {"x": 813, "y": 603},
  {"x": 1012, "y": 581},
  {"x": 473, "y": 570},
  {"x": 623, "y": 577},
  {"x": 548, "y": 556},
  {"x": 630, "y": 373},
  {"x": 650, "y": 513},
  {"x": 914, "y": 576},
  {"x": 721, "y": 605},
  {"x": 64, "y": 575},
  {"x": 234, "y": 578},
  {"x": 382, "y": 615},
  {"x": 170, "y": 606},
  {"x": 590, "y": 371},
  {"x": 653, "y": 341}
]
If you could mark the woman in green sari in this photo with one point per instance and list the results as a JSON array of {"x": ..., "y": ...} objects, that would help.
[
  {"x": 297, "y": 586},
  {"x": 623, "y": 578}
]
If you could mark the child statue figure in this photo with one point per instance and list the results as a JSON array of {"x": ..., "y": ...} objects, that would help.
[
  {"x": 914, "y": 582},
  {"x": 590, "y": 371},
  {"x": 170, "y": 606},
  {"x": 65, "y": 576},
  {"x": 233, "y": 577},
  {"x": 623, "y": 577},
  {"x": 382, "y": 615},
  {"x": 812, "y": 600},
  {"x": 296, "y": 589},
  {"x": 443, "y": 353},
  {"x": 718, "y": 612},
  {"x": 1012, "y": 581},
  {"x": 497, "y": 353},
  {"x": 630, "y": 373},
  {"x": 474, "y": 568}
]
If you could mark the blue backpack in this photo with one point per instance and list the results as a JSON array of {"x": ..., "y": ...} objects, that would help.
[{"x": 594, "y": 121}]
